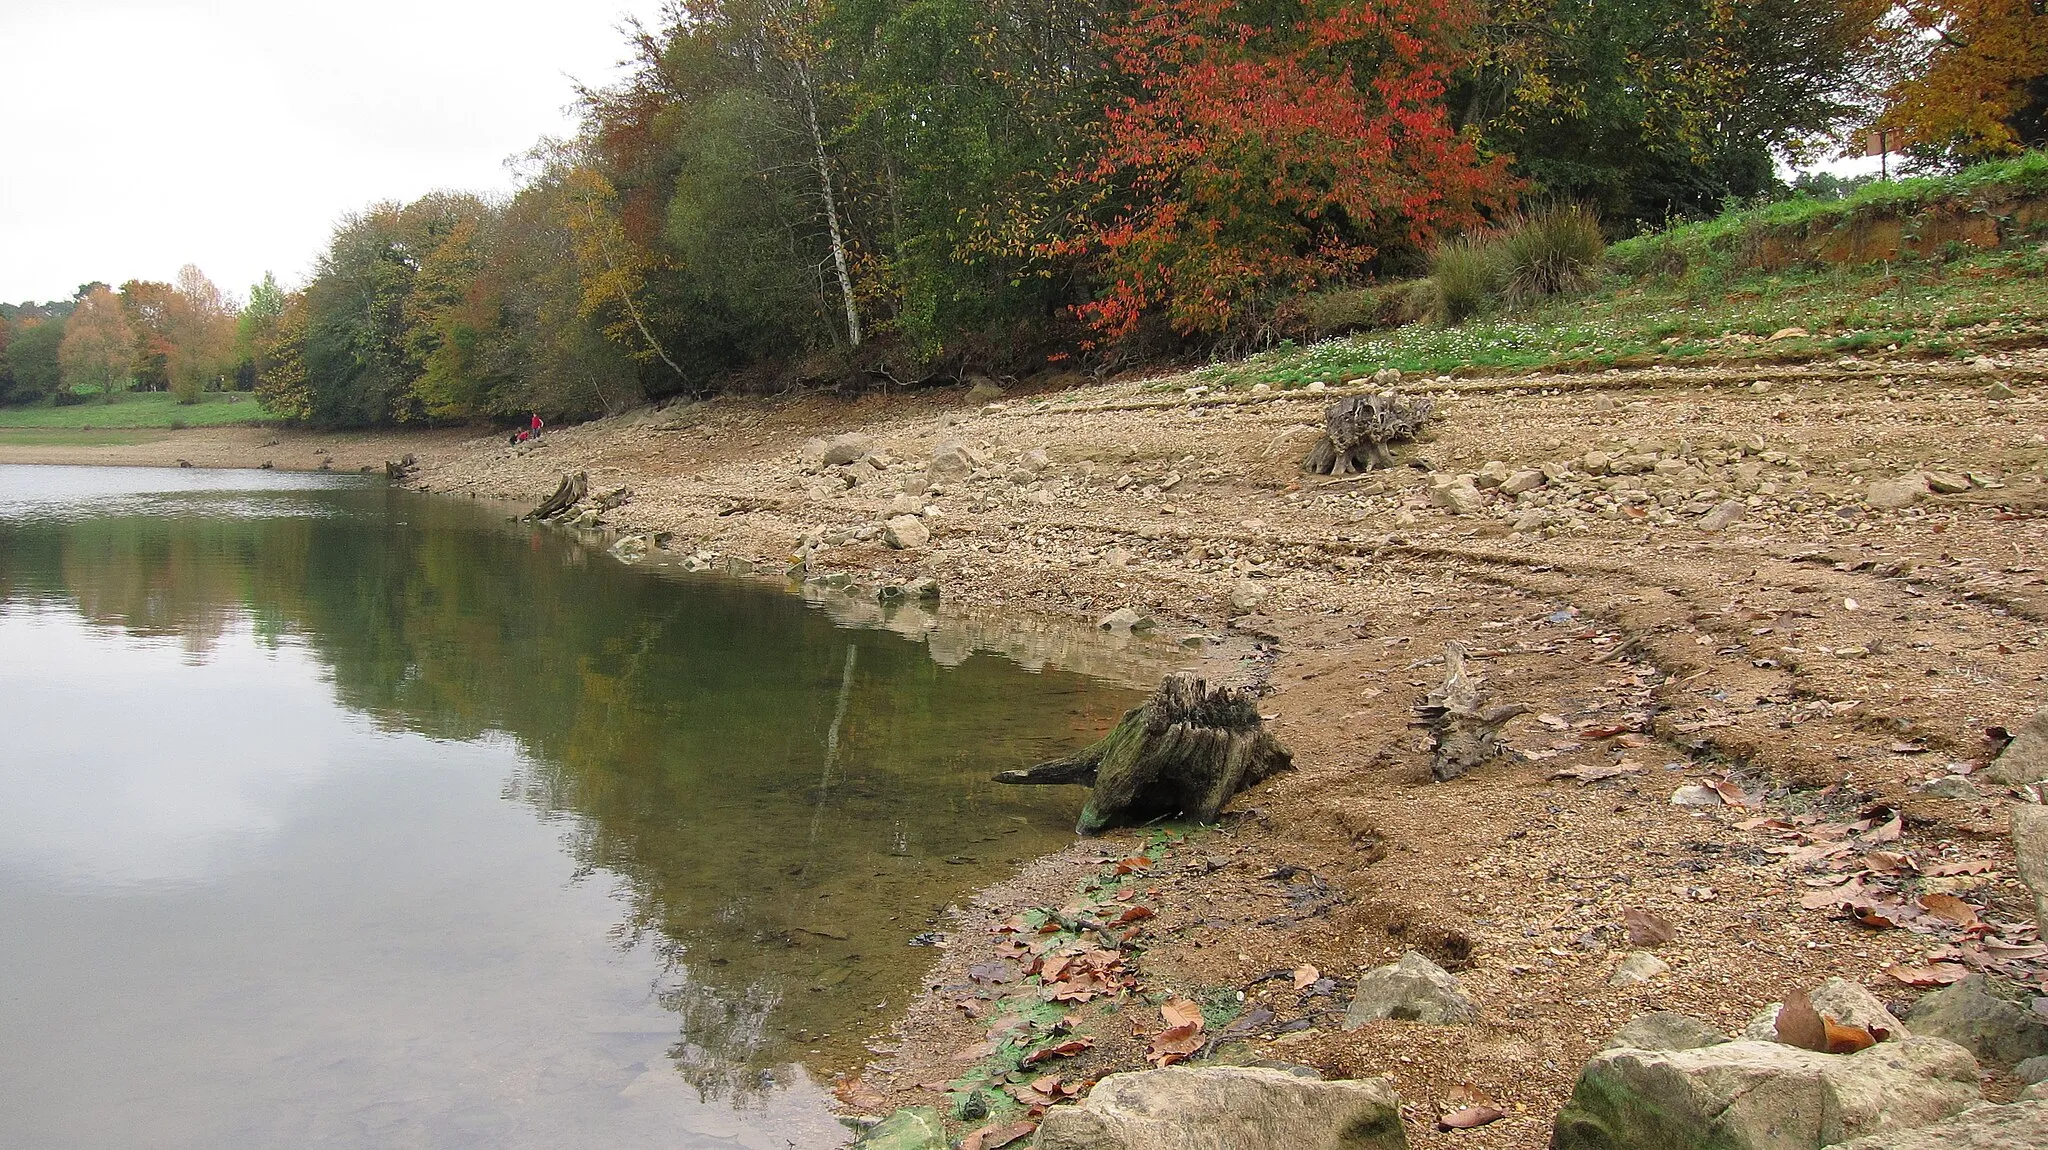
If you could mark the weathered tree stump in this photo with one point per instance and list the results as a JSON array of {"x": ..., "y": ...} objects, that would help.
[
  {"x": 1359, "y": 433},
  {"x": 571, "y": 491},
  {"x": 1186, "y": 751},
  {"x": 1464, "y": 732}
]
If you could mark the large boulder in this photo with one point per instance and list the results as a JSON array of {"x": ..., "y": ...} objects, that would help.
[
  {"x": 1227, "y": 1108},
  {"x": 1665, "y": 1030},
  {"x": 1892, "y": 494},
  {"x": 1411, "y": 990},
  {"x": 2020, "y": 1126},
  {"x": 2030, "y": 849},
  {"x": 2025, "y": 759},
  {"x": 1991, "y": 1019},
  {"x": 1762, "y": 1096}
]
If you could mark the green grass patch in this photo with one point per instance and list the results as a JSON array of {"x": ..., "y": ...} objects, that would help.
[
  {"x": 70, "y": 437},
  {"x": 141, "y": 410}
]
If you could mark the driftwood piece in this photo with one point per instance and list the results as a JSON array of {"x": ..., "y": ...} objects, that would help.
[
  {"x": 1464, "y": 731},
  {"x": 571, "y": 491},
  {"x": 1359, "y": 433},
  {"x": 1187, "y": 751}
]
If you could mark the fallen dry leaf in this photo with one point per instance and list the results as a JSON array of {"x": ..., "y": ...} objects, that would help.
[
  {"x": 1731, "y": 794},
  {"x": 1594, "y": 772},
  {"x": 1173, "y": 1044},
  {"x": 1799, "y": 1024},
  {"x": 1972, "y": 866},
  {"x": 1646, "y": 929},
  {"x": 1305, "y": 977},
  {"x": 1180, "y": 1012},
  {"x": 1951, "y": 909},
  {"x": 1132, "y": 914},
  {"x": 1935, "y": 974},
  {"x": 1067, "y": 1049},
  {"x": 992, "y": 1137},
  {"x": 1468, "y": 1118},
  {"x": 1888, "y": 832},
  {"x": 1843, "y": 1038}
]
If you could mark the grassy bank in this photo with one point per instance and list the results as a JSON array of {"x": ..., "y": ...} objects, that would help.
[
  {"x": 1751, "y": 285},
  {"x": 140, "y": 410}
]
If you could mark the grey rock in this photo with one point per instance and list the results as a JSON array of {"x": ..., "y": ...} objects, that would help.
[
  {"x": 1493, "y": 474},
  {"x": 950, "y": 463},
  {"x": 2020, "y": 1126},
  {"x": 984, "y": 390},
  {"x": 2038, "y": 1092},
  {"x": 1696, "y": 795},
  {"x": 926, "y": 588},
  {"x": 906, "y": 533},
  {"x": 1665, "y": 1030},
  {"x": 1036, "y": 460},
  {"x": 916, "y": 1128},
  {"x": 1639, "y": 967},
  {"x": 1892, "y": 494},
  {"x": 1725, "y": 514},
  {"x": 1412, "y": 990},
  {"x": 1949, "y": 787},
  {"x": 2032, "y": 1070},
  {"x": 2025, "y": 759},
  {"x": 1998, "y": 391},
  {"x": 1762, "y": 1096},
  {"x": 1596, "y": 462},
  {"x": 1456, "y": 494},
  {"x": 1246, "y": 595},
  {"x": 1987, "y": 1018},
  {"x": 1527, "y": 479},
  {"x": 1123, "y": 619},
  {"x": 1947, "y": 482},
  {"x": 1839, "y": 999},
  {"x": 1227, "y": 1108},
  {"x": 844, "y": 449},
  {"x": 2030, "y": 849},
  {"x": 905, "y": 504}
]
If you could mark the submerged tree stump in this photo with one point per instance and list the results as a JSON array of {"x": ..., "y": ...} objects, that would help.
[
  {"x": 571, "y": 492},
  {"x": 1186, "y": 751},
  {"x": 1359, "y": 433},
  {"x": 1464, "y": 731}
]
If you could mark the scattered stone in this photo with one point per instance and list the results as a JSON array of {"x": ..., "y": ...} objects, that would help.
[
  {"x": 2030, "y": 850},
  {"x": 951, "y": 463},
  {"x": 905, "y": 504},
  {"x": 2019, "y": 1126},
  {"x": 1893, "y": 494},
  {"x": 1241, "y": 1107},
  {"x": 1725, "y": 514},
  {"x": 2025, "y": 759},
  {"x": 1758, "y": 1095},
  {"x": 1596, "y": 462},
  {"x": 1492, "y": 475},
  {"x": 1123, "y": 619},
  {"x": 2032, "y": 1070},
  {"x": 984, "y": 391},
  {"x": 916, "y": 1128},
  {"x": 845, "y": 449},
  {"x": 906, "y": 533},
  {"x": 1520, "y": 481},
  {"x": 1947, "y": 482},
  {"x": 1639, "y": 967},
  {"x": 926, "y": 588},
  {"x": 1036, "y": 460},
  {"x": 1411, "y": 990},
  {"x": 1456, "y": 494},
  {"x": 1999, "y": 390},
  {"x": 1665, "y": 1030},
  {"x": 1246, "y": 595},
  {"x": 1695, "y": 795},
  {"x": 1985, "y": 1017},
  {"x": 1949, "y": 787}
]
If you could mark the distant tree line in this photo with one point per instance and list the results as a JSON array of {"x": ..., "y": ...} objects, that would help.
[{"x": 866, "y": 191}]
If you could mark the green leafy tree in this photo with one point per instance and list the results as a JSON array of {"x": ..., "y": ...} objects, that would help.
[{"x": 32, "y": 360}]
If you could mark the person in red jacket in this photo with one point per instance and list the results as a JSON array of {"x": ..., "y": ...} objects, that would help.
[{"x": 536, "y": 423}]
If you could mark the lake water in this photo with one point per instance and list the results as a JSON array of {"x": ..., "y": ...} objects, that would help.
[{"x": 333, "y": 815}]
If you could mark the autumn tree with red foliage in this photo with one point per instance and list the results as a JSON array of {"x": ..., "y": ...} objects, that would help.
[{"x": 1272, "y": 148}]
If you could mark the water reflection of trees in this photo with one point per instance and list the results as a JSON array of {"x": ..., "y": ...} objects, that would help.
[{"x": 678, "y": 737}]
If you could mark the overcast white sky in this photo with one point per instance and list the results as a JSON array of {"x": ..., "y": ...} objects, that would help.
[{"x": 147, "y": 134}]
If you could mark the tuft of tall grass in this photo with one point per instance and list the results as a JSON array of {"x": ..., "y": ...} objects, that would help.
[
  {"x": 1555, "y": 249},
  {"x": 1466, "y": 276}
]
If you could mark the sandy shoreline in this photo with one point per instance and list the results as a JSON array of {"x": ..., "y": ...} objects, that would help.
[{"x": 1819, "y": 640}]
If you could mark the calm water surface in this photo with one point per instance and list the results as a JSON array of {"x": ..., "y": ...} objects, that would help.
[{"x": 336, "y": 816}]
